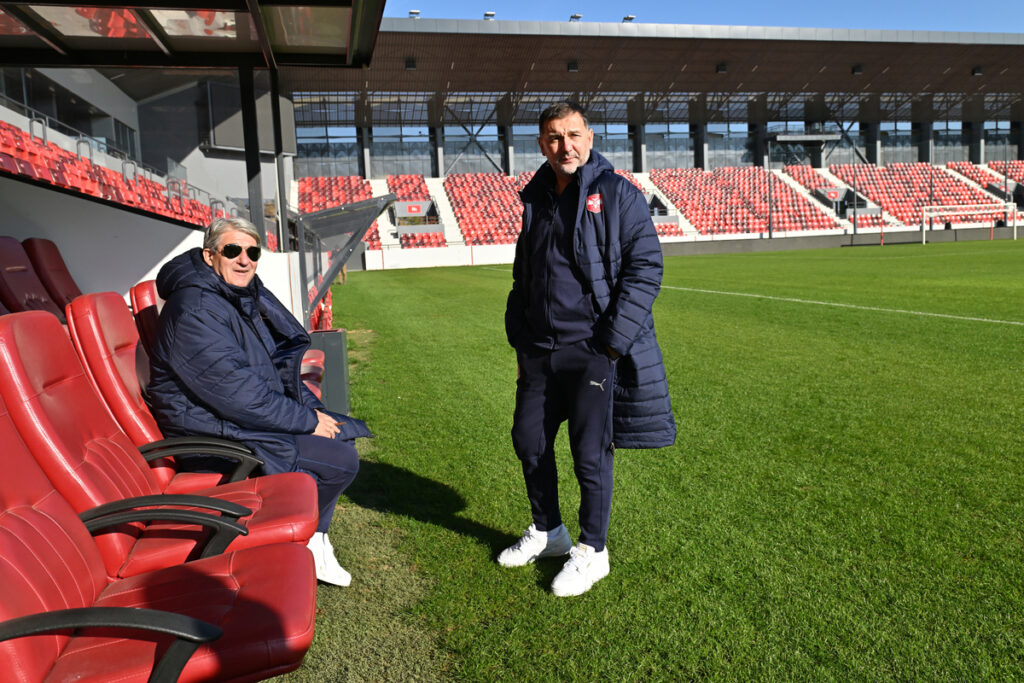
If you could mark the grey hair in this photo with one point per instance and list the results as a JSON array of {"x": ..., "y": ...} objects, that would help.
[
  {"x": 219, "y": 226},
  {"x": 560, "y": 110}
]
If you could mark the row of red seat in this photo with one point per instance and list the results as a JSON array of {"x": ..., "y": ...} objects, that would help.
[
  {"x": 979, "y": 174},
  {"x": 812, "y": 180},
  {"x": 734, "y": 200},
  {"x": 1013, "y": 169},
  {"x": 411, "y": 188},
  {"x": 903, "y": 190},
  {"x": 419, "y": 240},
  {"x": 215, "y": 559},
  {"x": 24, "y": 155},
  {"x": 486, "y": 205},
  {"x": 319, "y": 193}
]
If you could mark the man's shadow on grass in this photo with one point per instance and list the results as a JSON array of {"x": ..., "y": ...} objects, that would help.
[{"x": 393, "y": 490}]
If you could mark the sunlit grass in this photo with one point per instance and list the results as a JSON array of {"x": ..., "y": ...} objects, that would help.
[{"x": 844, "y": 500}]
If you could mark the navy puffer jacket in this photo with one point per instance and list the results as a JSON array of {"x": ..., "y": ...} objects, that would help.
[
  {"x": 617, "y": 252},
  {"x": 217, "y": 370}
]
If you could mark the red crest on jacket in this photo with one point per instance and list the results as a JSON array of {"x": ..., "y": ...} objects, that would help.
[{"x": 594, "y": 203}]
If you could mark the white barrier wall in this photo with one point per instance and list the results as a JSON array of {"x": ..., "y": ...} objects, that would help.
[{"x": 452, "y": 255}]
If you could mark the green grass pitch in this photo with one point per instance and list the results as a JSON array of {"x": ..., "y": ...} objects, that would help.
[{"x": 845, "y": 500}]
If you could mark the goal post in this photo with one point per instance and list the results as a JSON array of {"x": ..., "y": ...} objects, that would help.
[{"x": 943, "y": 213}]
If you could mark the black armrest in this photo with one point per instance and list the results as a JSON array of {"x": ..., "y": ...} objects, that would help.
[
  {"x": 189, "y": 633},
  {"x": 225, "y": 530},
  {"x": 246, "y": 460},
  {"x": 225, "y": 507},
  {"x": 200, "y": 441}
]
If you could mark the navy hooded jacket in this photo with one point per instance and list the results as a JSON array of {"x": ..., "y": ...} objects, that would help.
[
  {"x": 217, "y": 370},
  {"x": 618, "y": 255}
]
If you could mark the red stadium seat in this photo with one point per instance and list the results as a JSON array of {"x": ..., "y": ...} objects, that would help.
[
  {"x": 146, "y": 305},
  {"x": 107, "y": 341},
  {"x": 51, "y": 269},
  {"x": 92, "y": 462},
  {"x": 239, "y": 616},
  {"x": 20, "y": 287}
]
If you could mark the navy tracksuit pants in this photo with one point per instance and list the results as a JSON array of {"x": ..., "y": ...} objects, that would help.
[
  {"x": 333, "y": 464},
  {"x": 572, "y": 384}
]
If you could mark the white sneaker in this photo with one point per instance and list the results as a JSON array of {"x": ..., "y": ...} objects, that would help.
[
  {"x": 583, "y": 569},
  {"x": 536, "y": 544},
  {"x": 327, "y": 568}
]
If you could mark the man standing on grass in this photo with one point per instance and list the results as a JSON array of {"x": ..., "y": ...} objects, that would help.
[{"x": 586, "y": 273}]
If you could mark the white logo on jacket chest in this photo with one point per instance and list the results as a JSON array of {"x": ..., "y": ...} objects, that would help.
[{"x": 594, "y": 203}]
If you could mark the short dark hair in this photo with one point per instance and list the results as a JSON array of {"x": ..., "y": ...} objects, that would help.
[{"x": 560, "y": 110}]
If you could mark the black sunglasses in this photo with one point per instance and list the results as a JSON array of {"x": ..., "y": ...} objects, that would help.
[{"x": 232, "y": 251}]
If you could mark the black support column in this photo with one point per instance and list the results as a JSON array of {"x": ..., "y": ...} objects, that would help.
[{"x": 251, "y": 139}]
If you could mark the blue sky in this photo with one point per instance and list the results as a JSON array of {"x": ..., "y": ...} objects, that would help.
[{"x": 938, "y": 15}]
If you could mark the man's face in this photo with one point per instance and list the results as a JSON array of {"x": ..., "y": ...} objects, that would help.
[
  {"x": 238, "y": 271},
  {"x": 566, "y": 144}
]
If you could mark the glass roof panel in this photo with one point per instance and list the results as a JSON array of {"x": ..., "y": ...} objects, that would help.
[
  {"x": 198, "y": 23},
  {"x": 323, "y": 30},
  {"x": 93, "y": 22},
  {"x": 9, "y": 26}
]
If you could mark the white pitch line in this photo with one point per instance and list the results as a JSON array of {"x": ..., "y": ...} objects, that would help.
[{"x": 853, "y": 306}]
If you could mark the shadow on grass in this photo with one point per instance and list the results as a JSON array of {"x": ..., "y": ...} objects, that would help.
[{"x": 393, "y": 490}]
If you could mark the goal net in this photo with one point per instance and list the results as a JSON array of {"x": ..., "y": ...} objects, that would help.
[{"x": 968, "y": 214}]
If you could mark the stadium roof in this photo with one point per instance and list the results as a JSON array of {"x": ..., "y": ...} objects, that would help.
[
  {"x": 189, "y": 33},
  {"x": 512, "y": 63}
]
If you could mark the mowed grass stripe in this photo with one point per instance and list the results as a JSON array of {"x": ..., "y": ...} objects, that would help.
[{"x": 843, "y": 502}]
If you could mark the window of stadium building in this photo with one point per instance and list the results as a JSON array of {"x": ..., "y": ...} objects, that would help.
[
  {"x": 729, "y": 144},
  {"x": 899, "y": 142},
  {"x": 999, "y": 141},
  {"x": 526, "y": 152},
  {"x": 669, "y": 145},
  {"x": 472, "y": 149},
  {"x": 950, "y": 144},
  {"x": 327, "y": 151},
  {"x": 398, "y": 150},
  {"x": 613, "y": 141}
]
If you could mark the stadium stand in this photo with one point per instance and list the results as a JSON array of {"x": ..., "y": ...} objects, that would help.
[
  {"x": 318, "y": 193},
  {"x": 1014, "y": 169},
  {"x": 979, "y": 174},
  {"x": 630, "y": 177},
  {"x": 91, "y": 462},
  {"x": 244, "y": 615},
  {"x": 733, "y": 200},
  {"x": 25, "y": 155},
  {"x": 409, "y": 187},
  {"x": 486, "y": 205},
  {"x": 903, "y": 189},
  {"x": 419, "y": 240},
  {"x": 812, "y": 180}
]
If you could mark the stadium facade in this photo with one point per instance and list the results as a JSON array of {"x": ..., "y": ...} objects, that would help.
[{"x": 441, "y": 98}]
